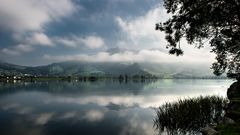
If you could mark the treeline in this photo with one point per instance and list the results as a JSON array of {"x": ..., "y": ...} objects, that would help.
[
  {"x": 28, "y": 77},
  {"x": 120, "y": 77}
]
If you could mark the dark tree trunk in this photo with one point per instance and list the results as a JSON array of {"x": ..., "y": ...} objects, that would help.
[{"x": 233, "y": 109}]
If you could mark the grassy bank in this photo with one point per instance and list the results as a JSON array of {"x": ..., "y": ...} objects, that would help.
[{"x": 231, "y": 129}]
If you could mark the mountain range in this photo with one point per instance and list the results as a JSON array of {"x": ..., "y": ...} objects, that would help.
[{"x": 77, "y": 68}]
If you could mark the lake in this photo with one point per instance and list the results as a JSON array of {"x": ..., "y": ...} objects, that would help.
[{"x": 93, "y": 108}]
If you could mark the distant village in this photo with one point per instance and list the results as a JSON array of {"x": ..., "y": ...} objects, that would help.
[
  {"x": 92, "y": 78},
  {"x": 28, "y": 77}
]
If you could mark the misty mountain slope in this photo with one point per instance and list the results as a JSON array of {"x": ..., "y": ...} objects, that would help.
[
  {"x": 174, "y": 70},
  {"x": 77, "y": 68},
  {"x": 6, "y": 68}
]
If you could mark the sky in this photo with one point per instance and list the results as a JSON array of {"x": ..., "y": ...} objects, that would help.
[{"x": 40, "y": 32}]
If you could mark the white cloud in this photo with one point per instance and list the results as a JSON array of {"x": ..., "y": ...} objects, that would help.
[
  {"x": 69, "y": 115},
  {"x": 92, "y": 42},
  {"x": 32, "y": 15},
  {"x": 43, "y": 118},
  {"x": 10, "y": 106},
  {"x": 26, "y": 21},
  {"x": 25, "y": 110},
  {"x": 17, "y": 50},
  {"x": 94, "y": 115},
  {"x": 149, "y": 99},
  {"x": 23, "y": 48},
  {"x": 39, "y": 39},
  {"x": 66, "y": 42},
  {"x": 139, "y": 32},
  {"x": 144, "y": 55},
  {"x": 9, "y": 52}
]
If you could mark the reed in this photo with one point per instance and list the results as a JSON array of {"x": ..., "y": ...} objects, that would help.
[{"x": 188, "y": 116}]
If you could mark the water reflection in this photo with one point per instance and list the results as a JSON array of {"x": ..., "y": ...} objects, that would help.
[
  {"x": 102, "y": 107},
  {"x": 103, "y": 92},
  {"x": 70, "y": 118}
]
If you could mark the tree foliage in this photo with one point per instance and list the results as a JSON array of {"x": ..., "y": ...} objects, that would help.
[{"x": 200, "y": 21}]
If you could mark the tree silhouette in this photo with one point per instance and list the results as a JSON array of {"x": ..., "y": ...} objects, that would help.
[{"x": 200, "y": 21}]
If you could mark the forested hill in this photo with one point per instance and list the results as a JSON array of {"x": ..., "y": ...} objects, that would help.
[{"x": 76, "y": 68}]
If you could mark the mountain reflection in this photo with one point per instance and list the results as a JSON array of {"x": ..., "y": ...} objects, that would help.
[{"x": 63, "y": 108}]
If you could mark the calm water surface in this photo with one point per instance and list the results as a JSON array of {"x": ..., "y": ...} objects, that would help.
[{"x": 93, "y": 108}]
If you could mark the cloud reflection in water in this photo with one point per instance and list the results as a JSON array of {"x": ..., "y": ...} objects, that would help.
[{"x": 84, "y": 108}]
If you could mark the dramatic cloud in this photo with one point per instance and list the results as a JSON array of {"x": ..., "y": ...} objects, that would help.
[
  {"x": 140, "y": 32},
  {"x": 26, "y": 20},
  {"x": 27, "y": 43},
  {"x": 86, "y": 31},
  {"x": 32, "y": 15},
  {"x": 90, "y": 42}
]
